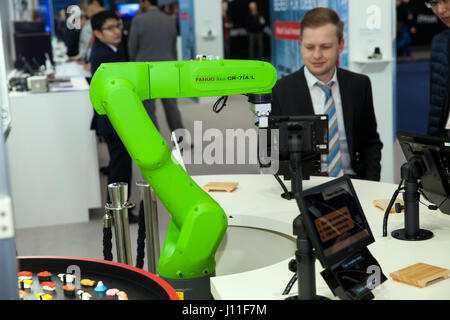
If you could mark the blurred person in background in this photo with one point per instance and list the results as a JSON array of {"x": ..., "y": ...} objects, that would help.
[
  {"x": 153, "y": 37},
  {"x": 405, "y": 27},
  {"x": 255, "y": 28},
  {"x": 439, "y": 117},
  {"x": 107, "y": 29},
  {"x": 89, "y": 8},
  {"x": 227, "y": 26},
  {"x": 175, "y": 9}
]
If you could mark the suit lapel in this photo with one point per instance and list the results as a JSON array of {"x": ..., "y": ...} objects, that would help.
[
  {"x": 347, "y": 107},
  {"x": 304, "y": 96}
]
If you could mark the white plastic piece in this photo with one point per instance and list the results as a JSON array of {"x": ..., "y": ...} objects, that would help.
[{"x": 262, "y": 111}]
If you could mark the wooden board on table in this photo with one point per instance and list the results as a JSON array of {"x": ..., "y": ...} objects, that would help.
[
  {"x": 220, "y": 186},
  {"x": 420, "y": 274},
  {"x": 383, "y": 204}
]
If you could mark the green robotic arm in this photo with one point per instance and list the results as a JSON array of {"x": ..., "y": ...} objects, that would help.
[{"x": 198, "y": 223}]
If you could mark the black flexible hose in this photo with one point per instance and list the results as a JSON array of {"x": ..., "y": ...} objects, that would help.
[
  {"x": 388, "y": 209},
  {"x": 141, "y": 238},
  {"x": 107, "y": 244},
  {"x": 286, "y": 191},
  {"x": 290, "y": 284}
]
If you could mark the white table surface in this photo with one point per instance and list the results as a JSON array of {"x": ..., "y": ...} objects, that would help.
[{"x": 257, "y": 203}]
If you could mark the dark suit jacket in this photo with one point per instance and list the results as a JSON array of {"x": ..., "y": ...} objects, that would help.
[
  {"x": 291, "y": 96},
  {"x": 153, "y": 37},
  {"x": 102, "y": 53}
]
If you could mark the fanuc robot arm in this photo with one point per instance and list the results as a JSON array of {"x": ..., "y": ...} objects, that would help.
[{"x": 198, "y": 223}]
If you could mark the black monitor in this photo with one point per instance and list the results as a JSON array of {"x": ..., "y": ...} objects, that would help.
[
  {"x": 335, "y": 221},
  {"x": 311, "y": 131},
  {"x": 29, "y": 26},
  {"x": 432, "y": 155},
  {"x": 31, "y": 48},
  {"x": 128, "y": 10}
]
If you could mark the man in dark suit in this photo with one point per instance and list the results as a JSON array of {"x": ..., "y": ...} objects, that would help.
[
  {"x": 153, "y": 37},
  {"x": 321, "y": 88},
  {"x": 107, "y": 47}
]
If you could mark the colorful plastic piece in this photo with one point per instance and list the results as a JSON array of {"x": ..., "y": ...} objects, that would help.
[
  {"x": 48, "y": 286},
  {"x": 44, "y": 296},
  {"x": 112, "y": 292},
  {"x": 87, "y": 283},
  {"x": 69, "y": 290},
  {"x": 25, "y": 284},
  {"x": 23, "y": 275},
  {"x": 100, "y": 288},
  {"x": 22, "y": 294},
  {"x": 122, "y": 295},
  {"x": 44, "y": 276},
  {"x": 66, "y": 278},
  {"x": 84, "y": 295}
]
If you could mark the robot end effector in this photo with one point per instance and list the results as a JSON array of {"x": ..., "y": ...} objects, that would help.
[{"x": 260, "y": 105}]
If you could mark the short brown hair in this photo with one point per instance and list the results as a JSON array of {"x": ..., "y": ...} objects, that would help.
[{"x": 319, "y": 17}]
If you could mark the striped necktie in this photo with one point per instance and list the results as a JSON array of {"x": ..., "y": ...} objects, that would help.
[{"x": 334, "y": 161}]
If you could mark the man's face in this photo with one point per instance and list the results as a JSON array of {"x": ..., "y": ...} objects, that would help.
[
  {"x": 320, "y": 50},
  {"x": 224, "y": 6},
  {"x": 111, "y": 32},
  {"x": 442, "y": 10}
]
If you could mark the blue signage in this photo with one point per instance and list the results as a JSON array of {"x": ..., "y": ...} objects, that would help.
[{"x": 187, "y": 29}]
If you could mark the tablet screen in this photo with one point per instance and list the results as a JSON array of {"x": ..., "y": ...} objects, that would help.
[{"x": 337, "y": 225}]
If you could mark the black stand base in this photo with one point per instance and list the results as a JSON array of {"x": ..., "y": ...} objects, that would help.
[
  {"x": 315, "y": 298},
  {"x": 400, "y": 234}
]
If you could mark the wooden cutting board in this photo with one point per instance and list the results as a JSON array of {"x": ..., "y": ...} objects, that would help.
[
  {"x": 383, "y": 204},
  {"x": 220, "y": 186},
  {"x": 419, "y": 274}
]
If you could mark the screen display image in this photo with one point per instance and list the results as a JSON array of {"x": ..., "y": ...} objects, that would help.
[
  {"x": 313, "y": 133},
  {"x": 128, "y": 10},
  {"x": 337, "y": 225}
]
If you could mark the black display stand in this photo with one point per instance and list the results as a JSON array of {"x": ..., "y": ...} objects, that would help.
[
  {"x": 411, "y": 172},
  {"x": 304, "y": 255},
  {"x": 349, "y": 279}
]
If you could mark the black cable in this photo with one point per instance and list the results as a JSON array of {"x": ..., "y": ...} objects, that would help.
[
  {"x": 388, "y": 209},
  {"x": 439, "y": 206},
  {"x": 290, "y": 284},
  {"x": 216, "y": 107},
  {"x": 141, "y": 238},
  {"x": 283, "y": 186},
  {"x": 311, "y": 156},
  {"x": 107, "y": 244},
  {"x": 432, "y": 206}
]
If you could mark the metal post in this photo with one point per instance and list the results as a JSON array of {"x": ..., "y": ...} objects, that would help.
[
  {"x": 151, "y": 225},
  {"x": 118, "y": 193},
  {"x": 8, "y": 261}
]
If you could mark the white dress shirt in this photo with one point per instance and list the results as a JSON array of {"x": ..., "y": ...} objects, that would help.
[
  {"x": 113, "y": 48},
  {"x": 318, "y": 101}
]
